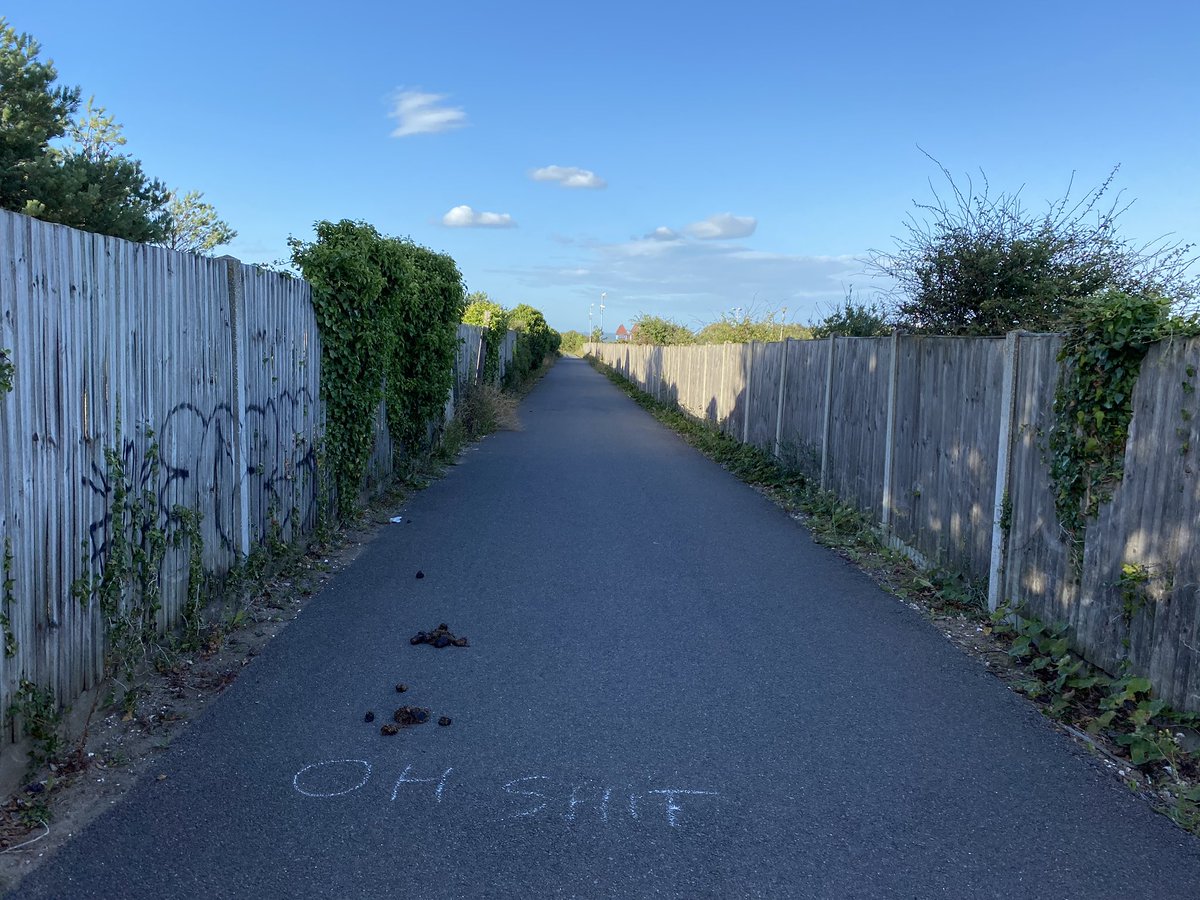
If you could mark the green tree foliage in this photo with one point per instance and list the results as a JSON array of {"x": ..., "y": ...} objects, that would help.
[
  {"x": 193, "y": 226},
  {"x": 853, "y": 319},
  {"x": 488, "y": 314},
  {"x": 648, "y": 329},
  {"x": 424, "y": 291},
  {"x": 572, "y": 342},
  {"x": 93, "y": 186},
  {"x": 388, "y": 311},
  {"x": 981, "y": 264},
  {"x": 86, "y": 181},
  {"x": 597, "y": 336},
  {"x": 33, "y": 111},
  {"x": 741, "y": 326},
  {"x": 535, "y": 340}
]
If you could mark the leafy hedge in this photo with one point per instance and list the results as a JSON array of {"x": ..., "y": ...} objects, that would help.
[
  {"x": 388, "y": 311},
  {"x": 535, "y": 341}
]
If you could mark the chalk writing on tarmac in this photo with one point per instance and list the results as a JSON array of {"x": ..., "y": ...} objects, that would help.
[{"x": 525, "y": 798}]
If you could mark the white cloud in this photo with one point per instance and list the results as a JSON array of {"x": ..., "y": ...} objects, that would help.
[
  {"x": 465, "y": 217},
  {"x": 569, "y": 177},
  {"x": 663, "y": 233},
  {"x": 723, "y": 226},
  {"x": 695, "y": 280},
  {"x": 421, "y": 113}
]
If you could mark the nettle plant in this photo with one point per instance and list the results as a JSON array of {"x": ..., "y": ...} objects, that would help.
[{"x": 388, "y": 311}]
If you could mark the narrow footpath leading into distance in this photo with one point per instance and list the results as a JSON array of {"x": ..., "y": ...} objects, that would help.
[{"x": 670, "y": 690}]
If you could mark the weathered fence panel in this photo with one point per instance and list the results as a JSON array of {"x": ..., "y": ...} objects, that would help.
[
  {"x": 194, "y": 381},
  {"x": 944, "y": 451},
  {"x": 283, "y": 421},
  {"x": 803, "y": 414},
  {"x": 1035, "y": 564},
  {"x": 915, "y": 437},
  {"x": 766, "y": 363},
  {"x": 858, "y": 420}
]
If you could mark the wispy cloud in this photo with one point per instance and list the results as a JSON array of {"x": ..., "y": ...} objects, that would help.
[
  {"x": 465, "y": 217},
  {"x": 418, "y": 112},
  {"x": 723, "y": 226},
  {"x": 663, "y": 233},
  {"x": 695, "y": 279},
  {"x": 569, "y": 177}
]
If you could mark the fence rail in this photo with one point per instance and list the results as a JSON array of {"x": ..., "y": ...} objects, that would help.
[
  {"x": 210, "y": 364},
  {"x": 943, "y": 439}
]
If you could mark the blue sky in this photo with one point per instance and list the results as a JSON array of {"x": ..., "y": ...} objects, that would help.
[{"x": 750, "y": 153}]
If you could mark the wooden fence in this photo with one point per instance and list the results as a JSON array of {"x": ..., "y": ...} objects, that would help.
[
  {"x": 943, "y": 439},
  {"x": 210, "y": 364}
]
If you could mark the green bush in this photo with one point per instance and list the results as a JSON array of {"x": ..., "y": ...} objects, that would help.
[{"x": 388, "y": 311}]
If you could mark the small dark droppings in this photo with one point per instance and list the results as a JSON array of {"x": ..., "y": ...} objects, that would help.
[
  {"x": 420, "y": 574},
  {"x": 411, "y": 715},
  {"x": 370, "y": 716},
  {"x": 401, "y": 688},
  {"x": 444, "y": 721},
  {"x": 389, "y": 730},
  {"x": 440, "y": 637}
]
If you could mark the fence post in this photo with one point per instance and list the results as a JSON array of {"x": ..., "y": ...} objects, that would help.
[
  {"x": 828, "y": 414},
  {"x": 1008, "y": 401},
  {"x": 237, "y": 340},
  {"x": 889, "y": 440},
  {"x": 749, "y": 382},
  {"x": 779, "y": 406},
  {"x": 721, "y": 388}
]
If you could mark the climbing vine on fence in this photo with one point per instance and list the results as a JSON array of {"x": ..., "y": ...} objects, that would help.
[
  {"x": 7, "y": 597},
  {"x": 6, "y": 372},
  {"x": 425, "y": 311},
  {"x": 387, "y": 310},
  {"x": 1107, "y": 339}
]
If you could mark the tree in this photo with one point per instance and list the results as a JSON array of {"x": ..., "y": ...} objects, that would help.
[
  {"x": 983, "y": 264},
  {"x": 597, "y": 336},
  {"x": 483, "y": 312},
  {"x": 543, "y": 340},
  {"x": 91, "y": 185},
  {"x": 193, "y": 226},
  {"x": 648, "y": 329},
  {"x": 572, "y": 342},
  {"x": 32, "y": 112},
  {"x": 853, "y": 319}
]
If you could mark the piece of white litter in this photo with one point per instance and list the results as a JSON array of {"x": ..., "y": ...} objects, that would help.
[
  {"x": 396, "y": 520},
  {"x": 31, "y": 841}
]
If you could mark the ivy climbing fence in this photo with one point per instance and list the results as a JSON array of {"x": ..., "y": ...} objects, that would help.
[
  {"x": 182, "y": 389},
  {"x": 944, "y": 441}
]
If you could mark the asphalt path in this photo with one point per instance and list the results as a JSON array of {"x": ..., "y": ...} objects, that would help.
[{"x": 670, "y": 691}]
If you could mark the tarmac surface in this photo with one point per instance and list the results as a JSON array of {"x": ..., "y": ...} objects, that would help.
[{"x": 670, "y": 690}]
